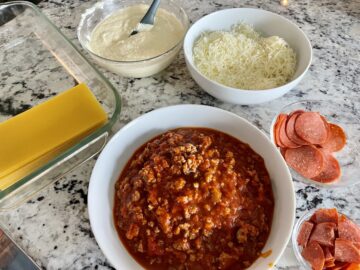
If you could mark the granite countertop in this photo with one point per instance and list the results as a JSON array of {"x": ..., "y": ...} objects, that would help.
[{"x": 54, "y": 226}]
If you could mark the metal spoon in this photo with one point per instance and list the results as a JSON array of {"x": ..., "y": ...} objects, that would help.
[{"x": 147, "y": 22}]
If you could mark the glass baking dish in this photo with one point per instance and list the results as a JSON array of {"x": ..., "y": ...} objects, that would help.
[{"x": 37, "y": 63}]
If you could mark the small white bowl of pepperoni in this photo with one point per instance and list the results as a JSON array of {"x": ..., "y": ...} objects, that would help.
[
  {"x": 319, "y": 141},
  {"x": 324, "y": 239}
]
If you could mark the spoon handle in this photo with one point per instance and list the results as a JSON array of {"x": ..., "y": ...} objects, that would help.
[{"x": 150, "y": 14}]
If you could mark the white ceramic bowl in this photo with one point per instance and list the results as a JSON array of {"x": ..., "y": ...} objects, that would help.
[
  {"x": 122, "y": 146},
  {"x": 263, "y": 21}
]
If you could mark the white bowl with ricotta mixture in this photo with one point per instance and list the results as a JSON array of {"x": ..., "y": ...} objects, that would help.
[
  {"x": 267, "y": 24},
  {"x": 104, "y": 31}
]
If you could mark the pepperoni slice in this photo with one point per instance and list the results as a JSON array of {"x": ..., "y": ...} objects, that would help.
[
  {"x": 331, "y": 171},
  {"x": 296, "y": 112},
  {"x": 324, "y": 234},
  {"x": 282, "y": 117},
  {"x": 310, "y": 127},
  {"x": 283, "y": 151},
  {"x": 290, "y": 129},
  {"x": 329, "y": 264},
  {"x": 353, "y": 266},
  {"x": 345, "y": 251},
  {"x": 304, "y": 233},
  {"x": 336, "y": 140},
  {"x": 307, "y": 160},
  {"x": 325, "y": 215},
  {"x": 328, "y": 252},
  {"x": 326, "y": 123},
  {"x": 314, "y": 254},
  {"x": 348, "y": 230},
  {"x": 329, "y": 258},
  {"x": 285, "y": 140},
  {"x": 340, "y": 266}
]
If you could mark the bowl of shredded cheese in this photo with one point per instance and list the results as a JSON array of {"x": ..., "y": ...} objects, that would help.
[{"x": 246, "y": 56}]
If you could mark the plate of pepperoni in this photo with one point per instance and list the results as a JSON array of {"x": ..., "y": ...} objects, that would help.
[{"x": 319, "y": 142}]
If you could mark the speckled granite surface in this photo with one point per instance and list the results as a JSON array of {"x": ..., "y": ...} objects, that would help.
[{"x": 54, "y": 227}]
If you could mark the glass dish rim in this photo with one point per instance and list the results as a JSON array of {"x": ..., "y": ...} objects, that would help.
[
  {"x": 88, "y": 139},
  {"x": 303, "y": 179},
  {"x": 99, "y": 3}
]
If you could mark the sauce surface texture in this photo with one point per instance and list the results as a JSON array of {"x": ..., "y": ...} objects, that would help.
[{"x": 194, "y": 198}]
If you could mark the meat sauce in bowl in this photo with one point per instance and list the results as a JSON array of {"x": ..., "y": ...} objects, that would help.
[{"x": 194, "y": 198}]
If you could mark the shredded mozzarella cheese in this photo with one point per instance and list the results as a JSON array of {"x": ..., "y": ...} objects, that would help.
[{"x": 242, "y": 58}]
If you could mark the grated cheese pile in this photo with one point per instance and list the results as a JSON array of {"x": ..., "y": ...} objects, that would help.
[{"x": 242, "y": 58}]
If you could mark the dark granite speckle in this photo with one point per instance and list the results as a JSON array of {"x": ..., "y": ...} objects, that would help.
[{"x": 7, "y": 107}]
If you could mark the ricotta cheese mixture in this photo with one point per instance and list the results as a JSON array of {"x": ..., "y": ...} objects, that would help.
[
  {"x": 242, "y": 58},
  {"x": 111, "y": 38}
]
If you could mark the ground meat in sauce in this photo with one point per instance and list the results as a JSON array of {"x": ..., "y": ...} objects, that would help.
[{"x": 194, "y": 198}]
